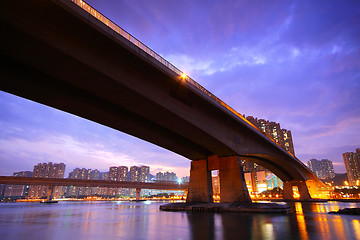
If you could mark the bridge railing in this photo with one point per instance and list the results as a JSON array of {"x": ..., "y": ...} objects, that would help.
[{"x": 160, "y": 59}]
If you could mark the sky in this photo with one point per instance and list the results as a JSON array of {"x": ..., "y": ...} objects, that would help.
[{"x": 292, "y": 62}]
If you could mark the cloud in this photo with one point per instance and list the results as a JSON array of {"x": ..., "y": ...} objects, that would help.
[
  {"x": 188, "y": 64},
  {"x": 64, "y": 148}
]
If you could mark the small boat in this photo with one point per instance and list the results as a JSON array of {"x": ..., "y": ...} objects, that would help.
[{"x": 49, "y": 201}]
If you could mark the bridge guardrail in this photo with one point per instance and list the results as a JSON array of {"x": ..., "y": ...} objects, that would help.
[{"x": 85, "y": 6}]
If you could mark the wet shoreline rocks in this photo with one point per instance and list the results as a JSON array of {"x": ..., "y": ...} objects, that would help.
[{"x": 348, "y": 211}]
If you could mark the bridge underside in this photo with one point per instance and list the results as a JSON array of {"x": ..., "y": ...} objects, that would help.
[{"x": 67, "y": 59}]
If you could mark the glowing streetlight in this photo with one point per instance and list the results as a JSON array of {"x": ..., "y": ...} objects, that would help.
[{"x": 183, "y": 75}]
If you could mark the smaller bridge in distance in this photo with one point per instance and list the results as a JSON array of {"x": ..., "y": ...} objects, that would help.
[{"x": 51, "y": 182}]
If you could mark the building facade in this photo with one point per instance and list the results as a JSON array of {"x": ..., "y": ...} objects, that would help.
[
  {"x": 323, "y": 169},
  {"x": 216, "y": 185},
  {"x": 139, "y": 174},
  {"x": 273, "y": 130},
  {"x": 118, "y": 174},
  {"x": 259, "y": 179},
  {"x": 47, "y": 170},
  {"x": 83, "y": 173},
  {"x": 166, "y": 176},
  {"x": 185, "y": 179},
  {"x": 352, "y": 164},
  {"x": 18, "y": 190},
  {"x": 104, "y": 191}
]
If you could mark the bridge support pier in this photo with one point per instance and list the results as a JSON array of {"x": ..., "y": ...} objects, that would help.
[
  {"x": 296, "y": 190},
  {"x": 50, "y": 193},
  {"x": 232, "y": 182},
  {"x": 138, "y": 191},
  {"x": 200, "y": 185}
]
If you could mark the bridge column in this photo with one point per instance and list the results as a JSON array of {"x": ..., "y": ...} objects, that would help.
[
  {"x": 138, "y": 191},
  {"x": 50, "y": 193},
  {"x": 296, "y": 190},
  {"x": 200, "y": 185},
  {"x": 232, "y": 181}
]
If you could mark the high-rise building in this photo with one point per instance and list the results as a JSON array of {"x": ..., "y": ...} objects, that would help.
[
  {"x": 273, "y": 130},
  {"x": 258, "y": 178},
  {"x": 323, "y": 169},
  {"x": 251, "y": 167},
  {"x": 134, "y": 174},
  {"x": 113, "y": 176},
  {"x": 352, "y": 164},
  {"x": 185, "y": 179},
  {"x": 144, "y": 174},
  {"x": 93, "y": 174},
  {"x": 118, "y": 174},
  {"x": 83, "y": 173},
  {"x": 47, "y": 170},
  {"x": 166, "y": 176},
  {"x": 18, "y": 190},
  {"x": 139, "y": 174},
  {"x": 104, "y": 191},
  {"x": 216, "y": 184}
]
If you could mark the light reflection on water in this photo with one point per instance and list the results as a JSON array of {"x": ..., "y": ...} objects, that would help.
[{"x": 143, "y": 220}]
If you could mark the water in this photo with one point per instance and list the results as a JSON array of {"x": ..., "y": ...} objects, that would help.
[{"x": 143, "y": 220}]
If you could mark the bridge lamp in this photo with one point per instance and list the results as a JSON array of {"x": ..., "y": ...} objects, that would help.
[{"x": 183, "y": 75}]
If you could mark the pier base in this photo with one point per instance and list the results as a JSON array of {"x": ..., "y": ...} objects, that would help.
[
  {"x": 232, "y": 182},
  {"x": 138, "y": 191},
  {"x": 227, "y": 207},
  {"x": 296, "y": 190},
  {"x": 200, "y": 185},
  {"x": 50, "y": 195}
]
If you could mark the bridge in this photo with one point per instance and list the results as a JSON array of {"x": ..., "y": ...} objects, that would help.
[
  {"x": 67, "y": 55},
  {"x": 51, "y": 182}
]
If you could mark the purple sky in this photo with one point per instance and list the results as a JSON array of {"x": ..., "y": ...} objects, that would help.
[{"x": 292, "y": 62}]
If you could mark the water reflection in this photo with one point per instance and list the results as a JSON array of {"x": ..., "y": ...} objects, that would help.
[
  {"x": 303, "y": 233},
  {"x": 128, "y": 220},
  {"x": 308, "y": 221}
]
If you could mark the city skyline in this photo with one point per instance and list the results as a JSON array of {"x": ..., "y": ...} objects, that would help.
[{"x": 281, "y": 67}]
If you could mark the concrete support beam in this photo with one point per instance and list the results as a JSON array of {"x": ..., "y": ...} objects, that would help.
[
  {"x": 200, "y": 186},
  {"x": 138, "y": 191},
  {"x": 232, "y": 182},
  {"x": 296, "y": 190},
  {"x": 50, "y": 193}
]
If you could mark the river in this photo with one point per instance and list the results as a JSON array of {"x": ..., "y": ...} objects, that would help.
[{"x": 143, "y": 220}]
